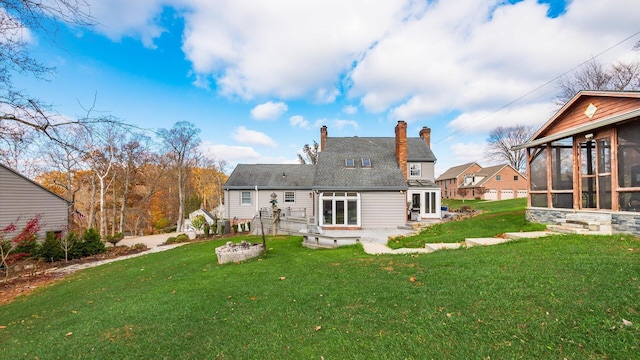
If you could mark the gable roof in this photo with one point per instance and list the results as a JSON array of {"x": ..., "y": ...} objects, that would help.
[
  {"x": 491, "y": 171},
  {"x": 454, "y": 172},
  {"x": 599, "y": 120},
  {"x": 33, "y": 182},
  {"x": 384, "y": 173},
  {"x": 271, "y": 176}
]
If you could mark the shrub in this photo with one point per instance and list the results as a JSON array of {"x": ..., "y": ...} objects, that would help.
[
  {"x": 249, "y": 226},
  {"x": 198, "y": 222},
  {"x": 171, "y": 240},
  {"x": 28, "y": 247},
  {"x": 113, "y": 240},
  {"x": 235, "y": 228},
  {"x": 177, "y": 239},
  {"x": 51, "y": 249},
  {"x": 90, "y": 244},
  {"x": 140, "y": 246},
  {"x": 215, "y": 228},
  {"x": 222, "y": 229},
  {"x": 242, "y": 227},
  {"x": 206, "y": 229}
]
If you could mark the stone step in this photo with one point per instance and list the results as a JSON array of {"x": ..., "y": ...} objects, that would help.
[
  {"x": 589, "y": 217},
  {"x": 528, "y": 234},
  {"x": 568, "y": 229},
  {"x": 442, "y": 246},
  {"x": 485, "y": 241}
]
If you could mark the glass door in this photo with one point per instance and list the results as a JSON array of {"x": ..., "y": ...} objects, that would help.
[{"x": 595, "y": 173}]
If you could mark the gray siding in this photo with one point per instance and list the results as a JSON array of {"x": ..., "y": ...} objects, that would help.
[
  {"x": 235, "y": 209},
  {"x": 21, "y": 200},
  {"x": 383, "y": 209},
  {"x": 427, "y": 168}
]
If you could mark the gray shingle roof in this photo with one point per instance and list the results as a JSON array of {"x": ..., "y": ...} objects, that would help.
[
  {"x": 330, "y": 173},
  {"x": 270, "y": 176},
  {"x": 454, "y": 172},
  {"x": 384, "y": 172}
]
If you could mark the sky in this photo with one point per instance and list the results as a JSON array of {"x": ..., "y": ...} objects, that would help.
[{"x": 259, "y": 78}]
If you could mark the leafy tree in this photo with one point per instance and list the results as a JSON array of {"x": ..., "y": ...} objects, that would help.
[
  {"x": 7, "y": 246},
  {"x": 181, "y": 140},
  {"x": 502, "y": 139},
  {"x": 309, "y": 154}
]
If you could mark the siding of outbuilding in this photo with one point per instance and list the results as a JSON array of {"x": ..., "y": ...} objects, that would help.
[
  {"x": 21, "y": 200},
  {"x": 383, "y": 209}
]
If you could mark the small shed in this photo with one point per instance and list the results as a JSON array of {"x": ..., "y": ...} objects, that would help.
[
  {"x": 584, "y": 163},
  {"x": 21, "y": 199}
]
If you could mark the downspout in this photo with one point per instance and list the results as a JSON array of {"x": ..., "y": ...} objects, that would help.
[{"x": 257, "y": 194}]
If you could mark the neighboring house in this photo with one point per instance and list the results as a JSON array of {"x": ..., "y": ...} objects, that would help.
[
  {"x": 21, "y": 199},
  {"x": 450, "y": 180},
  {"x": 357, "y": 183},
  {"x": 499, "y": 182},
  {"x": 585, "y": 162}
]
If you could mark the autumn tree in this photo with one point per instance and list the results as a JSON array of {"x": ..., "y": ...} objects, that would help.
[
  {"x": 593, "y": 75},
  {"x": 181, "y": 141},
  {"x": 309, "y": 154},
  {"x": 502, "y": 139}
]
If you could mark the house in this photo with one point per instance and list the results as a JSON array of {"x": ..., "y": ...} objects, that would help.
[
  {"x": 21, "y": 199},
  {"x": 499, "y": 182},
  {"x": 357, "y": 183},
  {"x": 584, "y": 163}
]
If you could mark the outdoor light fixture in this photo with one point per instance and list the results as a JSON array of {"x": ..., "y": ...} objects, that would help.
[{"x": 589, "y": 136}]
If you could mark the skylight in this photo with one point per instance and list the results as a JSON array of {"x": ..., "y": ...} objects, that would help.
[
  {"x": 349, "y": 163},
  {"x": 366, "y": 162}
]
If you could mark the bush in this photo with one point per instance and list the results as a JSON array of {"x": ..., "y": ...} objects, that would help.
[
  {"x": 177, "y": 239},
  {"x": 198, "y": 222},
  {"x": 206, "y": 229},
  {"x": 28, "y": 248},
  {"x": 113, "y": 240},
  {"x": 215, "y": 228},
  {"x": 140, "y": 246},
  {"x": 171, "y": 240},
  {"x": 235, "y": 228},
  {"x": 90, "y": 244},
  {"x": 162, "y": 223},
  {"x": 51, "y": 249}
]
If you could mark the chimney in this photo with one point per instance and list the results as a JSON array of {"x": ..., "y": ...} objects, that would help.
[
  {"x": 323, "y": 136},
  {"x": 401, "y": 146},
  {"x": 425, "y": 134}
]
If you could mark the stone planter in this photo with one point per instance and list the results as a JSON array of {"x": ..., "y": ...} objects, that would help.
[{"x": 237, "y": 252}]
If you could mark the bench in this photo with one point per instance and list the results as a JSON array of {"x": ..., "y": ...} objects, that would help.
[{"x": 318, "y": 239}]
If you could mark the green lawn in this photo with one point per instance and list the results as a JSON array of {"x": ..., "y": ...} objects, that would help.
[
  {"x": 552, "y": 298},
  {"x": 497, "y": 217}
]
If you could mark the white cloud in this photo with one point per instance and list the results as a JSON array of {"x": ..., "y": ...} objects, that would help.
[
  {"x": 243, "y": 135},
  {"x": 350, "y": 109},
  {"x": 299, "y": 121},
  {"x": 339, "y": 124},
  {"x": 483, "y": 121},
  {"x": 269, "y": 110}
]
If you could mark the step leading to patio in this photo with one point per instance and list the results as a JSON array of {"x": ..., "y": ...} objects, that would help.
[{"x": 583, "y": 223}]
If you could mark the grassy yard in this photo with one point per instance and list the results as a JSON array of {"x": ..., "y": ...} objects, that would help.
[
  {"x": 552, "y": 298},
  {"x": 497, "y": 217}
]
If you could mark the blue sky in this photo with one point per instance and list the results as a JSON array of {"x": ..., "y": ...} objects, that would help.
[{"x": 260, "y": 78}]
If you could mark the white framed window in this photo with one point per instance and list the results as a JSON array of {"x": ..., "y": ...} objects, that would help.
[
  {"x": 289, "y": 196},
  {"x": 350, "y": 163},
  {"x": 245, "y": 198},
  {"x": 366, "y": 162},
  {"x": 415, "y": 170},
  {"x": 340, "y": 209}
]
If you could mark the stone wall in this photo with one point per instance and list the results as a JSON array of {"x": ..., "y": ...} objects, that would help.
[{"x": 621, "y": 222}]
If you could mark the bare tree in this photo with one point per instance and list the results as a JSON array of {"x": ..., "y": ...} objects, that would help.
[
  {"x": 309, "y": 154},
  {"x": 502, "y": 139},
  {"x": 593, "y": 75},
  {"x": 181, "y": 140},
  {"x": 19, "y": 113}
]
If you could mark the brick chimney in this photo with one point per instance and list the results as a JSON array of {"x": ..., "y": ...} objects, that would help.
[
  {"x": 401, "y": 146},
  {"x": 323, "y": 136},
  {"x": 425, "y": 134}
]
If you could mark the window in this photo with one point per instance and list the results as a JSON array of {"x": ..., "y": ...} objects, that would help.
[
  {"x": 515, "y": 177},
  {"x": 245, "y": 198},
  {"x": 349, "y": 163},
  {"x": 289, "y": 197},
  {"x": 415, "y": 170},
  {"x": 340, "y": 208},
  {"x": 366, "y": 162},
  {"x": 498, "y": 177}
]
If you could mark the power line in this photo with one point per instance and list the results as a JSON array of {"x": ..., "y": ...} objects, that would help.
[{"x": 543, "y": 85}]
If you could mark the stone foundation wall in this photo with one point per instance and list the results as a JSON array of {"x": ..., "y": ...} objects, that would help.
[{"x": 621, "y": 222}]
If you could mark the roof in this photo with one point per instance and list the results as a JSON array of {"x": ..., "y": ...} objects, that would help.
[
  {"x": 455, "y": 171},
  {"x": 271, "y": 176},
  {"x": 384, "y": 172},
  {"x": 535, "y": 140},
  {"x": 33, "y": 182},
  {"x": 491, "y": 171},
  {"x": 331, "y": 172}
]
